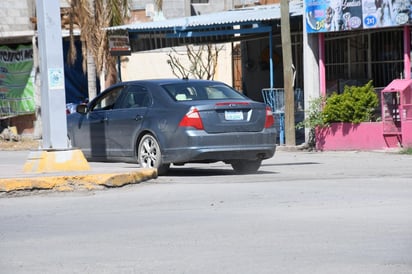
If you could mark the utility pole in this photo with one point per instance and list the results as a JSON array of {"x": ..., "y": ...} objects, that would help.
[
  {"x": 55, "y": 154},
  {"x": 287, "y": 74},
  {"x": 53, "y": 102}
]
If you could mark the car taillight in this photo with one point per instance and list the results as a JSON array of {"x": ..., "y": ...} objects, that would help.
[
  {"x": 192, "y": 119},
  {"x": 269, "y": 117}
]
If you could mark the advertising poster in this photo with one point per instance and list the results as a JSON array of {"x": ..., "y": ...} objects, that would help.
[
  {"x": 16, "y": 80},
  {"x": 346, "y": 15},
  {"x": 385, "y": 13}
]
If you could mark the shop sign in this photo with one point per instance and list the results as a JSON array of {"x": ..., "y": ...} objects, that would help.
[
  {"x": 346, "y": 15},
  {"x": 119, "y": 45}
]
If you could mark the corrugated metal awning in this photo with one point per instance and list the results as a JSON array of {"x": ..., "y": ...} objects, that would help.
[
  {"x": 231, "y": 17},
  {"x": 226, "y": 26}
]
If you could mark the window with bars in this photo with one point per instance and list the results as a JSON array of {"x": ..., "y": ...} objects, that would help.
[{"x": 356, "y": 58}]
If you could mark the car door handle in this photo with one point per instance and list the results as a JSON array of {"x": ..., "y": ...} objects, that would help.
[
  {"x": 104, "y": 120},
  {"x": 138, "y": 118}
]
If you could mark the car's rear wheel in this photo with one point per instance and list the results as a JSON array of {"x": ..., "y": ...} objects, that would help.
[
  {"x": 246, "y": 166},
  {"x": 149, "y": 154}
]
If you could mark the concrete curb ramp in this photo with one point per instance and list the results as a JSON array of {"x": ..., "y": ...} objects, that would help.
[
  {"x": 59, "y": 160},
  {"x": 73, "y": 182}
]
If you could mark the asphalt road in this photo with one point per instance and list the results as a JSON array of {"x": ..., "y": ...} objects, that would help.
[{"x": 331, "y": 212}]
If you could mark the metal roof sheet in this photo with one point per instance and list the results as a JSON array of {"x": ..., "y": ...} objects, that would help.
[{"x": 239, "y": 16}]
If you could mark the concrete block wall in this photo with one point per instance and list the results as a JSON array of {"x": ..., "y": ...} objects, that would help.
[
  {"x": 16, "y": 16},
  {"x": 176, "y": 8},
  {"x": 212, "y": 6},
  {"x": 183, "y": 8}
]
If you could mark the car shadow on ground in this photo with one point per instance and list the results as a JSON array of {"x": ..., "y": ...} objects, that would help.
[
  {"x": 184, "y": 171},
  {"x": 176, "y": 171},
  {"x": 293, "y": 164}
]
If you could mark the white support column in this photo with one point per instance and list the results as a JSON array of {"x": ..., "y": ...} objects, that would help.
[{"x": 310, "y": 68}]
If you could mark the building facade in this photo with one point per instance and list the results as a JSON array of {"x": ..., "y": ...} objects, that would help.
[{"x": 16, "y": 26}]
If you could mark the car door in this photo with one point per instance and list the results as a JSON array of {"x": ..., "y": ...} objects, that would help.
[
  {"x": 125, "y": 121},
  {"x": 90, "y": 134}
]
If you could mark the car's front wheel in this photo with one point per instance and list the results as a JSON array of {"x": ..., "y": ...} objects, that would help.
[
  {"x": 246, "y": 166},
  {"x": 149, "y": 154}
]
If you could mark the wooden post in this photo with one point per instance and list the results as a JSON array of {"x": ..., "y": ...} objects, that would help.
[{"x": 287, "y": 74}]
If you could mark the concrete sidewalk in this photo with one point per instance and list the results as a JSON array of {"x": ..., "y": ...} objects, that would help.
[{"x": 99, "y": 176}]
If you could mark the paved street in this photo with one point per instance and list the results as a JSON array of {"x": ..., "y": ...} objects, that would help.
[{"x": 321, "y": 212}]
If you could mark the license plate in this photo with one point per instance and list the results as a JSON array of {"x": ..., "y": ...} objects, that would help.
[{"x": 231, "y": 115}]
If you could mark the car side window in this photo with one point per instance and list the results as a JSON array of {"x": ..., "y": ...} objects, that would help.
[
  {"x": 108, "y": 100},
  {"x": 135, "y": 97}
]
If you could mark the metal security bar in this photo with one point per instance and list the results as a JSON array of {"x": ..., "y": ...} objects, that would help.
[
  {"x": 275, "y": 99},
  {"x": 363, "y": 56}
]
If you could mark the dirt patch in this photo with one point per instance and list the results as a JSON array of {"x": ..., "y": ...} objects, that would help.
[{"x": 22, "y": 144}]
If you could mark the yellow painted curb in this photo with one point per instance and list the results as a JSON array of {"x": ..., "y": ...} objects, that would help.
[{"x": 69, "y": 183}]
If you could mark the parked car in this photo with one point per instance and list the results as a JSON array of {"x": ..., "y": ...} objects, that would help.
[{"x": 171, "y": 121}]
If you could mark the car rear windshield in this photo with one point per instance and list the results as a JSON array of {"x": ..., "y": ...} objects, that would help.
[{"x": 201, "y": 91}]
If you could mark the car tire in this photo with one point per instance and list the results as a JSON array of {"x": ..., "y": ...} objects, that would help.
[
  {"x": 246, "y": 166},
  {"x": 149, "y": 154}
]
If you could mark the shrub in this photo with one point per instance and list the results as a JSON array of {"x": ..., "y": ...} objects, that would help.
[
  {"x": 354, "y": 105},
  {"x": 313, "y": 119},
  {"x": 407, "y": 150}
]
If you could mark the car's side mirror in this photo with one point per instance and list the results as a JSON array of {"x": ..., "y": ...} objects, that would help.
[{"x": 81, "y": 108}]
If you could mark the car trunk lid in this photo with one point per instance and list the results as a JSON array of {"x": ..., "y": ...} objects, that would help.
[{"x": 233, "y": 117}]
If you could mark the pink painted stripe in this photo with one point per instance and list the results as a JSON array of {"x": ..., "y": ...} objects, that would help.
[
  {"x": 322, "y": 70},
  {"x": 406, "y": 51}
]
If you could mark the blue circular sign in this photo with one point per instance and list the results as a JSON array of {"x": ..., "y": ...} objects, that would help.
[{"x": 370, "y": 21}]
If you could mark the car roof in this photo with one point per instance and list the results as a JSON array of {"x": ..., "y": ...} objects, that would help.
[{"x": 165, "y": 81}]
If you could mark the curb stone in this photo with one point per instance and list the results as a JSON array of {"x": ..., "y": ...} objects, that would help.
[{"x": 73, "y": 182}]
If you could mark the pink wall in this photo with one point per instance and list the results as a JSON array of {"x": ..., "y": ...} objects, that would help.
[{"x": 347, "y": 136}]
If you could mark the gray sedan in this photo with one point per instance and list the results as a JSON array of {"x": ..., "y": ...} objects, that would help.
[{"x": 160, "y": 122}]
